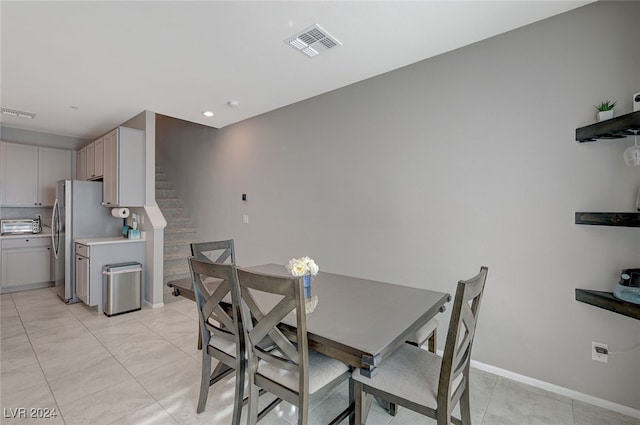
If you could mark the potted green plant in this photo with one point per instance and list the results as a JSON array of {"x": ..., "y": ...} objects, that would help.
[{"x": 605, "y": 110}]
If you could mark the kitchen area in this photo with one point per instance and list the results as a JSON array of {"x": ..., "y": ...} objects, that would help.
[{"x": 66, "y": 220}]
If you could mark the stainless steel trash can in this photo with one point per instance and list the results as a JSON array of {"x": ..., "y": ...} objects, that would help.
[{"x": 122, "y": 284}]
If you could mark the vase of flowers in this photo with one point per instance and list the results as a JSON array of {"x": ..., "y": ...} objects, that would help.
[{"x": 306, "y": 268}]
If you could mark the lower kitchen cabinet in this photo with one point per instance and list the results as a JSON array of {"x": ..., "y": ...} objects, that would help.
[
  {"x": 91, "y": 255},
  {"x": 82, "y": 278},
  {"x": 26, "y": 263}
]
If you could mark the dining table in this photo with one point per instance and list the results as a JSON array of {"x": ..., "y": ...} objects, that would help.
[{"x": 359, "y": 321}]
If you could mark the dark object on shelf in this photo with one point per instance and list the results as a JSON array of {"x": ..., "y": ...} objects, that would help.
[
  {"x": 608, "y": 219},
  {"x": 628, "y": 288},
  {"x": 607, "y": 301},
  {"x": 615, "y": 128}
]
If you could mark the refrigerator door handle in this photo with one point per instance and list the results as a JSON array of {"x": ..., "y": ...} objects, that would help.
[{"x": 55, "y": 228}]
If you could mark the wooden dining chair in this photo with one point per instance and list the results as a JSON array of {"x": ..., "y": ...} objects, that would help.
[
  {"x": 427, "y": 334},
  {"x": 422, "y": 381},
  {"x": 291, "y": 372},
  {"x": 221, "y": 330},
  {"x": 221, "y": 252}
]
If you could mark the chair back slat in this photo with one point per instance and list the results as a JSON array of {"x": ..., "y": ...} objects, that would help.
[
  {"x": 456, "y": 358},
  {"x": 219, "y": 252}
]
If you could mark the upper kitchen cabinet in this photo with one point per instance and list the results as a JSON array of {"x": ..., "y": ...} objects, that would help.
[
  {"x": 95, "y": 160},
  {"x": 81, "y": 164},
  {"x": 29, "y": 174},
  {"x": 55, "y": 164},
  {"x": 124, "y": 168}
]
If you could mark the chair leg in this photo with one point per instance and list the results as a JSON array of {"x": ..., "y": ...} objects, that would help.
[
  {"x": 199, "y": 338},
  {"x": 432, "y": 341},
  {"x": 465, "y": 407},
  {"x": 361, "y": 407},
  {"x": 239, "y": 393},
  {"x": 204, "y": 381},
  {"x": 252, "y": 410}
]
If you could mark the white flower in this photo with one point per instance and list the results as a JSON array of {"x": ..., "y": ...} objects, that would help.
[{"x": 302, "y": 266}]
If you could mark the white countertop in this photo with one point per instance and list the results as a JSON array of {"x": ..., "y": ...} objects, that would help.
[
  {"x": 104, "y": 241},
  {"x": 46, "y": 233}
]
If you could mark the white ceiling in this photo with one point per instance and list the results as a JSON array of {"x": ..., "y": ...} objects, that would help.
[{"x": 85, "y": 67}]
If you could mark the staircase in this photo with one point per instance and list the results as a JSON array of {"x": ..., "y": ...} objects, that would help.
[{"x": 178, "y": 235}]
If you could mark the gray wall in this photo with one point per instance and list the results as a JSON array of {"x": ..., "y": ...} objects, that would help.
[{"x": 422, "y": 175}]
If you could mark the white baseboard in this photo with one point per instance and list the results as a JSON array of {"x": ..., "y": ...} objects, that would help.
[
  {"x": 156, "y": 305},
  {"x": 605, "y": 404}
]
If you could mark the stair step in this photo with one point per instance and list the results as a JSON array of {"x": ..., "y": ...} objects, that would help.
[
  {"x": 179, "y": 228},
  {"x": 189, "y": 237},
  {"x": 177, "y": 249},
  {"x": 175, "y": 212},
  {"x": 163, "y": 184},
  {"x": 176, "y": 255},
  {"x": 168, "y": 202},
  {"x": 166, "y": 193},
  {"x": 179, "y": 265}
]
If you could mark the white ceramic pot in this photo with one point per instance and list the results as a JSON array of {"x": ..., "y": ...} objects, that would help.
[{"x": 605, "y": 115}]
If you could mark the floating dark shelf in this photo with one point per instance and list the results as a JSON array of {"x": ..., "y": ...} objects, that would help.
[
  {"x": 609, "y": 219},
  {"x": 615, "y": 128},
  {"x": 607, "y": 301}
]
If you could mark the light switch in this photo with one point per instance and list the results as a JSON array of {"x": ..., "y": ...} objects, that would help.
[{"x": 245, "y": 218}]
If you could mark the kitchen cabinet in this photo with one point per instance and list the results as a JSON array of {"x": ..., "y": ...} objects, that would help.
[
  {"x": 26, "y": 263},
  {"x": 91, "y": 161},
  {"x": 54, "y": 165},
  {"x": 30, "y": 173},
  {"x": 124, "y": 168},
  {"x": 81, "y": 164},
  {"x": 98, "y": 156},
  {"x": 92, "y": 254},
  {"x": 20, "y": 178},
  {"x": 82, "y": 273},
  {"x": 95, "y": 160}
]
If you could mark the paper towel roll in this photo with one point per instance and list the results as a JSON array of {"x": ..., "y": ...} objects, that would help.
[{"x": 120, "y": 212}]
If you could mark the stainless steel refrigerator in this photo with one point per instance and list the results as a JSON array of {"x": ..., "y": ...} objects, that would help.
[{"x": 77, "y": 213}]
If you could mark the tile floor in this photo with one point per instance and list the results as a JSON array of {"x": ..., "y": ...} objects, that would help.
[{"x": 143, "y": 368}]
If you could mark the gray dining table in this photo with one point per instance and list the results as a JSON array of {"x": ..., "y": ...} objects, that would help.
[{"x": 360, "y": 321}]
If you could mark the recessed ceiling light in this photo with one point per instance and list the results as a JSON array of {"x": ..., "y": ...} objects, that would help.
[
  {"x": 18, "y": 114},
  {"x": 74, "y": 107},
  {"x": 207, "y": 114},
  {"x": 233, "y": 103}
]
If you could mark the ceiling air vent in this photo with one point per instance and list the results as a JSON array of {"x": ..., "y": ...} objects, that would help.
[
  {"x": 312, "y": 41},
  {"x": 18, "y": 114}
]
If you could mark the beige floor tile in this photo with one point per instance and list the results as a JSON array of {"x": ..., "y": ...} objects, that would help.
[
  {"x": 586, "y": 414},
  {"x": 518, "y": 403},
  {"x": 38, "y": 397},
  {"x": 153, "y": 414},
  {"x": 66, "y": 347},
  {"x": 107, "y": 405},
  {"x": 78, "y": 383},
  {"x": 88, "y": 357},
  {"x": 16, "y": 353},
  {"x": 154, "y": 355},
  {"x": 21, "y": 379}
]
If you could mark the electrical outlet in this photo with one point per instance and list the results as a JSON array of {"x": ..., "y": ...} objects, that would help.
[
  {"x": 245, "y": 218},
  {"x": 599, "y": 352}
]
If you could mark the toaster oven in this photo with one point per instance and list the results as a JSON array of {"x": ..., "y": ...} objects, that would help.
[{"x": 20, "y": 226}]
